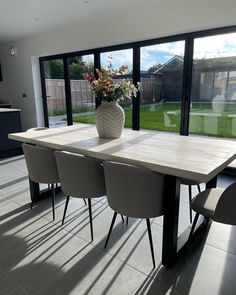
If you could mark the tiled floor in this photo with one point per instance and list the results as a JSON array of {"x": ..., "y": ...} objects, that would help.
[{"x": 38, "y": 256}]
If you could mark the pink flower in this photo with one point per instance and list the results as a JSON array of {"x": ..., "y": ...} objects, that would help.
[{"x": 89, "y": 77}]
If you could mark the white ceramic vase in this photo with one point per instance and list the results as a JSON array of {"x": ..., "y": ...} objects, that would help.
[{"x": 110, "y": 119}]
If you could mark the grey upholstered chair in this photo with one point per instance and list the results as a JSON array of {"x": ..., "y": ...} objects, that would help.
[
  {"x": 216, "y": 204},
  {"x": 190, "y": 183},
  {"x": 134, "y": 192},
  {"x": 38, "y": 129},
  {"x": 80, "y": 177},
  {"x": 42, "y": 167}
]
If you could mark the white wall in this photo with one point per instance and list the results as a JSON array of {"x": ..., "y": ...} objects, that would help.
[
  {"x": 167, "y": 18},
  {"x": 2, "y": 91}
]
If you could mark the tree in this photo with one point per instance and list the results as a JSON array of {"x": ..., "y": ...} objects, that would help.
[
  {"x": 77, "y": 69},
  {"x": 154, "y": 68},
  {"x": 54, "y": 69}
]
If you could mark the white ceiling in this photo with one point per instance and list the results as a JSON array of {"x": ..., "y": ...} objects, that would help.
[{"x": 24, "y": 18}]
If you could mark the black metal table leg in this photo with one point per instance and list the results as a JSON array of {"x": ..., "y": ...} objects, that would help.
[
  {"x": 37, "y": 195},
  {"x": 173, "y": 246},
  {"x": 171, "y": 218},
  {"x": 212, "y": 183},
  {"x": 34, "y": 191}
]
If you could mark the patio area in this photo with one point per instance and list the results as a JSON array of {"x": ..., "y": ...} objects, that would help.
[{"x": 45, "y": 258}]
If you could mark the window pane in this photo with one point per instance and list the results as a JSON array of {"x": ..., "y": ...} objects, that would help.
[
  {"x": 82, "y": 97},
  {"x": 55, "y": 92},
  {"x": 119, "y": 58},
  {"x": 213, "y": 97},
  {"x": 161, "y": 79}
]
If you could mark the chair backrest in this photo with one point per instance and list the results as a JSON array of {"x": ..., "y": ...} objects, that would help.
[
  {"x": 225, "y": 211},
  {"x": 41, "y": 164},
  {"x": 134, "y": 191},
  {"x": 80, "y": 176}
]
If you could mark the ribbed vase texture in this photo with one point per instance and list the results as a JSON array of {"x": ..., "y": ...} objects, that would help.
[{"x": 110, "y": 119}]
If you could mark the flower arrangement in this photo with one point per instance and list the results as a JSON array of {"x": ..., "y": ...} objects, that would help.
[{"x": 107, "y": 88}]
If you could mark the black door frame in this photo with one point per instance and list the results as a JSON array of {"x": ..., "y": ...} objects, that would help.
[{"x": 187, "y": 71}]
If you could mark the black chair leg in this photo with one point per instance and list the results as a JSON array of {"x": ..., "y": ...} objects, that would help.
[
  {"x": 150, "y": 240},
  {"x": 190, "y": 200},
  {"x": 90, "y": 217},
  {"x": 199, "y": 189},
  {"x": 66, "y": 205},
  {"x": 53, "y": 201},
  {"x": 111, "y": 227},
  {"x": 31, "y": 193},
  {"x": 127, "y": 220},
  {"x": 122, "y": 218},
  {"x": 193, "y": 225},
  {"x": 85, "y": 203}
]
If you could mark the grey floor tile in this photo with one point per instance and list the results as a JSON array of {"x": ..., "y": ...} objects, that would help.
[
  {"x": 207, "y": 269},
  {"x": 45, "y": 258},
  {"x": 92, "y": 271},
  {"x": 15, "y": 187},
  {"x": 9, "y": 176},
  {"x": 161, "y": 281},
  {"x": 35, "y": 259},
  {"x": 7, "y": 209},
  {"x": 22, "y": 198},
  {"x": 154, "y": 287},
  {"x": 2, "y": 196},
  {"x": 17, "y": 291},
  {"x": 223, "y": 237},
  {"x": 16, "y": 163},
  {"x": 129, "y": 243},
  {"x": 44, "y": 208},
  {"x": 6, "y": 283}
]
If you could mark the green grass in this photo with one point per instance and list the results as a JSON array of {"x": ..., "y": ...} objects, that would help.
[
  {"x": 152, "y": 117},
  {"x": 62, "y": 111}
]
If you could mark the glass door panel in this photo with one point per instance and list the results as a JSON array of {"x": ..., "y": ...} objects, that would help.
[
  {"x": 82, "y": 97},
  {"x": 55, "y": 92},
  {"x": 213, "y": 96},
  {"x": 161, "y": 79},
  {"x": 117, "y": 59}
]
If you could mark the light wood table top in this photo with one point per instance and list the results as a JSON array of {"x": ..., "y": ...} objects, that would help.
[{"x": 196, "y": 158}]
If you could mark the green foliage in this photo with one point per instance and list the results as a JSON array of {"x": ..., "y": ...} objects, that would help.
[
  {"x": 76, "y": 72},
  {"x": 77, "y": 69},
  {"x": 54, "y": 69}
]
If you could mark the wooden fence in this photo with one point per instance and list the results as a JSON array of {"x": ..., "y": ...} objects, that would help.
[{"x": 82, "y": 95}]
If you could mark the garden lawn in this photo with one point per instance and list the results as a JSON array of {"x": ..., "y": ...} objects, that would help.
[{"x": 152, "y": 117}]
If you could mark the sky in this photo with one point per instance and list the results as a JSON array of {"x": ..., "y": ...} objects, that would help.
[{"x": 207, "y": 47}]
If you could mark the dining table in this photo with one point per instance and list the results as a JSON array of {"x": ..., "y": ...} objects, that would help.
[{"x": 197, "y": 158}]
